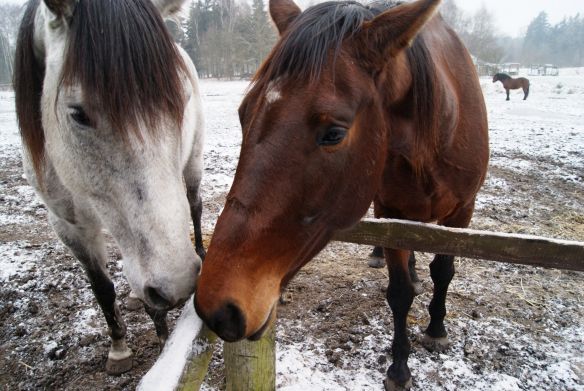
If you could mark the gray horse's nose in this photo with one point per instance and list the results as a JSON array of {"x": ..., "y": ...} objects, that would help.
[{"x": 158, "y": 299}]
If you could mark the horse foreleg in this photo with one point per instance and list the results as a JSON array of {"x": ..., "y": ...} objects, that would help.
[
  {"x": 508, "y": 94},
  {"x": 414, "y": 275},
  {"x": 400, "y": 295},
  {"x": 192, "y": 175},
  {"x": 525, "y": 92},
  {"x": 159, "y": 319},
  {"x": 442, "y": 271},
  {"x": 196, "y": 206},
  {"x": 86, "y": 243},
  {"x": 376, "y": 259}
]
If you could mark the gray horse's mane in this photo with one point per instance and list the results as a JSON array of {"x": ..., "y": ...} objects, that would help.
[{"x": 121, "y": 55}]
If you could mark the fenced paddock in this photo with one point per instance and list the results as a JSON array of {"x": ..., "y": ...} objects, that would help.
[
  {"x": 512, "y": 327},
  {"x": 250, "y": 366}
]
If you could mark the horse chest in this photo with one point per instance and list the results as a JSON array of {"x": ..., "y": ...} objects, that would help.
[{"x": 406, "y": 195}]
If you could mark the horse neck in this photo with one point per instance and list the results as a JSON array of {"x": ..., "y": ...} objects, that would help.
[{"x": 411, "y": 126}]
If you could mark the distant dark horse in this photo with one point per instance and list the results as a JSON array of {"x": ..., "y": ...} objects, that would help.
[
  {"x": 354, "y": 104},
  {"x": 510, "y": 83}
]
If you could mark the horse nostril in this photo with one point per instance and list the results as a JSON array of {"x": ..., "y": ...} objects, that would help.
[
  {"x": 156, "y": 298},
  {"x": 228, "y": 322}
]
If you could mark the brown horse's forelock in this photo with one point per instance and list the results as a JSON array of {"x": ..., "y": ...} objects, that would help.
[
  {"x": 123, "y": 58},
  {"x": 304, "y": 49}
]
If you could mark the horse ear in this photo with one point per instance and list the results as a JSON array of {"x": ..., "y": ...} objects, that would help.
[
  {"x": 61, "y": 8},
  {"x": 396, "y": 28},
  {"x": 283, "y": 12},
  {"x": 168, "y": 8}
]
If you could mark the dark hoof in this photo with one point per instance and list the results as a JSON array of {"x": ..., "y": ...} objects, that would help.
[
  {"x": 162, "y": 343},
  {"x": 391, "y": 385},
  {"x": 117, "y": 367},
  {"x": 376, "y": 263},
  {"x": 435, "y": 344},
  {"x": 418, "y": 289}
]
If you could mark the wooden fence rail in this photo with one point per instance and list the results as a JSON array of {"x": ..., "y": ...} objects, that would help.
[
  {"x": 512, "y": 248},
  {"x": 251, "y": 366}
]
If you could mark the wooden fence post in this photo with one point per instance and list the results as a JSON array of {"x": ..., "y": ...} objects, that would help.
[{"x": 251, "y": 366}]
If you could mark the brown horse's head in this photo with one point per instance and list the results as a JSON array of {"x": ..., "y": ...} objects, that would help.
[{"x": 312, "y": 155}]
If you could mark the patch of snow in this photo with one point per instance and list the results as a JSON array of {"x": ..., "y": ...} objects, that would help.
[
  {"x": 166, "y": 372},
  {"x": 16, "y": 260}
]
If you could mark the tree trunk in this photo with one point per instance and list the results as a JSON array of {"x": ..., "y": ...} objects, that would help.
[{"x": 251, "y": 366}]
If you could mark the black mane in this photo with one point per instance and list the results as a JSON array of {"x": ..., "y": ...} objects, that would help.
[
  {"x": 304, "y": 49},
  {"x": 502, "y": 76},
  {"x": 28, "y": 87},
  {"x": 123, "y": 55}
]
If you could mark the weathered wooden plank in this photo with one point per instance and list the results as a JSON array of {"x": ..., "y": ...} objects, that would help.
[
  {"x": 197, "y": 365},
  {"x": 512, "y": 248}
]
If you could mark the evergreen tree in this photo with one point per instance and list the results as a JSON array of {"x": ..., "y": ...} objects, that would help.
[{"x": 536, "y": 46}]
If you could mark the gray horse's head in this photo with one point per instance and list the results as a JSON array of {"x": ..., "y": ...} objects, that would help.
[{"x": 120, "y": 116}]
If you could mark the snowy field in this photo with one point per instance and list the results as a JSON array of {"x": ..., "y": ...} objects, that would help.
[{"x": 511, "y": 327}]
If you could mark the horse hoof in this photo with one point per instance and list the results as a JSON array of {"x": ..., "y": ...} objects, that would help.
[
  {"x": 376, "y": 262},
  {"x": 391, "y": 385},
  {"x": 285, "y": 298},
  {"x": 117, "y": 367},
  {"x": 435, "y": 344},
  {"x": 133, "y": 303},
  {"x": 418, "y": 289}
]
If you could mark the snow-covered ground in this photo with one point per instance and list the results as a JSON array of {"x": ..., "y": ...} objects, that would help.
[{"x": 540, "y": 137}]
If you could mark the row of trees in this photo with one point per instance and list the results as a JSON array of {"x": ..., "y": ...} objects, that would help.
[
  {"x": 230, "y": 38},
  {"x": 562, "y": 44},
  {"x": 225, "y": 38}
]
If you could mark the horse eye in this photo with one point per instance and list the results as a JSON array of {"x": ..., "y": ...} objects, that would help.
[
  {"x": 333, "y": 136},
  {"x": 78, "y": 115}
]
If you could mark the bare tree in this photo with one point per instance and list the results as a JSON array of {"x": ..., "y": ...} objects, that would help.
[{"x": 10, "y": 16}]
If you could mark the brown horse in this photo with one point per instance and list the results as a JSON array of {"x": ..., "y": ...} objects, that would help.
[
  {"x": 354, "y": 104},
  {"x": 510, "y": 83}
]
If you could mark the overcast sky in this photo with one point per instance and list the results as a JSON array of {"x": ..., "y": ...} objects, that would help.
[{"x": 511, "y": 16}]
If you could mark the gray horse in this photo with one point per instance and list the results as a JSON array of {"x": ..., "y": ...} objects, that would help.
[{"x": 111, "y": 121}]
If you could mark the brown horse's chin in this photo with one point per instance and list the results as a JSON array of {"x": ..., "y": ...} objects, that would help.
[{"x": 258, "y": 334}]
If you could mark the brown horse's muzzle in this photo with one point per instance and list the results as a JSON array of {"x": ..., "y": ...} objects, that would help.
[{"x": 236, "y": 303}]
